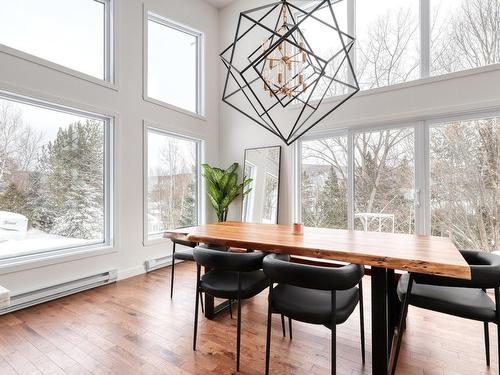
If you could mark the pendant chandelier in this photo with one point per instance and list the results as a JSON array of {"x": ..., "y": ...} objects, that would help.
[{"x": 284, "y": 64}]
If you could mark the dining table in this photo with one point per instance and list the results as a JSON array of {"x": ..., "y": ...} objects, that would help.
[{"x": 383, "y": 253}]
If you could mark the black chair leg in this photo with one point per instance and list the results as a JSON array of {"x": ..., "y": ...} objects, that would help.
[
  {"x": 196, "y": 305},
  {"x": 487, "y": 343},
  {"x": 230, "y": 301},
  {"x": 362, "y": 321},
  {"x": 201, "y": 303},
  {"x": 173, "y": 269},
  {"x": 290, "y": 327},
  {"x": 238, "y": 337},
  {"x": 283, "y": 325},
  {"x": 402, "y": 320},
  {"x": 333, "y": 324},
  {"x": 268, "y": 336}
]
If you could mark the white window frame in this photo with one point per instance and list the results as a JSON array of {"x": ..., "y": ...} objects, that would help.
[
  {"x": 421, "y": 162},
  {"x": 158, "y": 129},
  {"x": 200, "y": 86},
  {"x": 110, "y": 69},
  {"x": 425, "y": 52},
  {"x": 51, "y": 256}
]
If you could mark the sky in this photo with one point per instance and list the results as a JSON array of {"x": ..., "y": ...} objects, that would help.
[
  {"x": 69, "y": 33},
  {"x": 172, "y": 58},
  {"x": 44, "y": 121}
]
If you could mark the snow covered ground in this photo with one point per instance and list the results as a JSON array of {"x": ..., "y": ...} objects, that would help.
[{"x": 14, "y": 243}]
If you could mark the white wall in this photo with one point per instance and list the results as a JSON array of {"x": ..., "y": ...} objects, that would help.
[
  {"x": 450, "y": 95},
  {"x": 25, "y": 77}
]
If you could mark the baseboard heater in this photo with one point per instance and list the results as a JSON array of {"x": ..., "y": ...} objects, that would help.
[
  {"x": 154, "y": 264},
  {"x": 21, "y": 301}
]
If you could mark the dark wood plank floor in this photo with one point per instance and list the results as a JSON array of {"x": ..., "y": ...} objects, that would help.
[{"x": 132, "y": 327}]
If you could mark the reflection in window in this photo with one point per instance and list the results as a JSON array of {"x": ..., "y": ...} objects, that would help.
[
  {"x": 324, "y": 182},
  {"x": 384, "y": 180},
  {"x": 52, "y": 179},
  {"x": 465, "y": 180},
  {"x": 172, "y": 182},
  {"x": 270, "y": 211}
]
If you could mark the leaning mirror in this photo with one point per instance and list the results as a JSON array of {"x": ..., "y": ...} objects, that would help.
[{"x": 262, "y": 165}]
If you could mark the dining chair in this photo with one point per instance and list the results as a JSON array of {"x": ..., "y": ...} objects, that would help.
[
  {"x": 313, "y": 294},
  {"x": 233, "y": 276},
  {"x": 184, "y": 253},
  {"x": 462, "y": 298}
]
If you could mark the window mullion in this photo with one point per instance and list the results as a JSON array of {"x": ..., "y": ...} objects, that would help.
[
  {"x": 350, "y": 180},
  {"x": 351, "y": 30},
  {"x": 425, "y": 38}
]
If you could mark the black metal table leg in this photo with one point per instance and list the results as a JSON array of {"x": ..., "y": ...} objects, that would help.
[
  {"x": 394, "y": 306},
  {"x": 380, "y": 346}
]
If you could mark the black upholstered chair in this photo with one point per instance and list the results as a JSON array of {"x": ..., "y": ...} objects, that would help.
[
  {"x": 232, "y": 276},
  {"x": 463, "y": 298},
  {"x": 313, "y": 294}
]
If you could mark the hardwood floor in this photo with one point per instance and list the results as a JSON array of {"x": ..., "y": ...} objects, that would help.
[{"x": 132, "y": 327}]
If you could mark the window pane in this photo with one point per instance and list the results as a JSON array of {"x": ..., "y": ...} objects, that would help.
[
  {"x": 465, "y": 34},
  {"x": 172, "y": 182},
  {"x": 324, "y": 182},
  {"x": 324, "y": 42},
  {"x": 384, "y": 180},
  {"x": 69, "y": 33},
  {"x": 387, "y": 39},
  {"x": 51, "y": 179},
  {"x": 172, "y": 66},
  {"x": 465, "y": 182}
]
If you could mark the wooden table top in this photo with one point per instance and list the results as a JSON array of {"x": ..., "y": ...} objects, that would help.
[{"x": 422, "y": 254}]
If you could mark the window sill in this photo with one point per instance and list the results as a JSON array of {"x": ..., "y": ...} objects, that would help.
[
  {"x": 175, "y": 108},
  {"x": 409, "y": 84},
  {"x": 157, "y": 240},
  {"x": 57, "y": 67},
  {"x": 23, "y": 263}
]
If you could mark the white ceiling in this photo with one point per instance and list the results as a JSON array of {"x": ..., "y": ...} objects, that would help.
[{"x": 220, "y": 3}]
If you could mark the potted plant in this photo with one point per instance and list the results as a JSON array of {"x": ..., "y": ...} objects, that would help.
[{"x": 223, "y": 187}]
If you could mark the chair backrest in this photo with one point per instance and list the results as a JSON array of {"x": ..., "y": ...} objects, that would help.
[
  {"x": 227, "y": 260},
  {"x": 278, "y": 268},
  {"x": 485, "y": 272}
]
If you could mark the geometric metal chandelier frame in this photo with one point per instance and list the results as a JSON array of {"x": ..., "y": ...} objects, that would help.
[{"x": 282, "y": 26}]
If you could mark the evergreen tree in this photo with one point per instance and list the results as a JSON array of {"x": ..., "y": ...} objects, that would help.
[
  {"x": 68, "y": 200},
  {"x": 188, "y": 209},
  {"x": 13, "y": 200},
  {"x": 332, "y": 202}
]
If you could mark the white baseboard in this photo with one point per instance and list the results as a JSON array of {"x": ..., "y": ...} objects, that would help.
[{"x": 130, "y": 272}]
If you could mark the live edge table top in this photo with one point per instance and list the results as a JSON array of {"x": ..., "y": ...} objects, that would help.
[{"x": 421, "y": 254}]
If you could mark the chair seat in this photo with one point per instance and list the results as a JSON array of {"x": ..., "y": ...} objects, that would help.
[
  {"x": 184, "y": 243},
  {"x": 312, "y": 305},
  {"x": 224, "y": 284},
  {"x": 184, "y": 254},
  {"x": 462, "y": 302}
]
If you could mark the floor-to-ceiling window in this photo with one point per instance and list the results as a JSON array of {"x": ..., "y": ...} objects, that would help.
[
  {"x": 384, "y": 180},
  {"x": 464, "y": 170},
  {"x": 324, "y": 182},
  {"x": 376, "y": 179}
]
